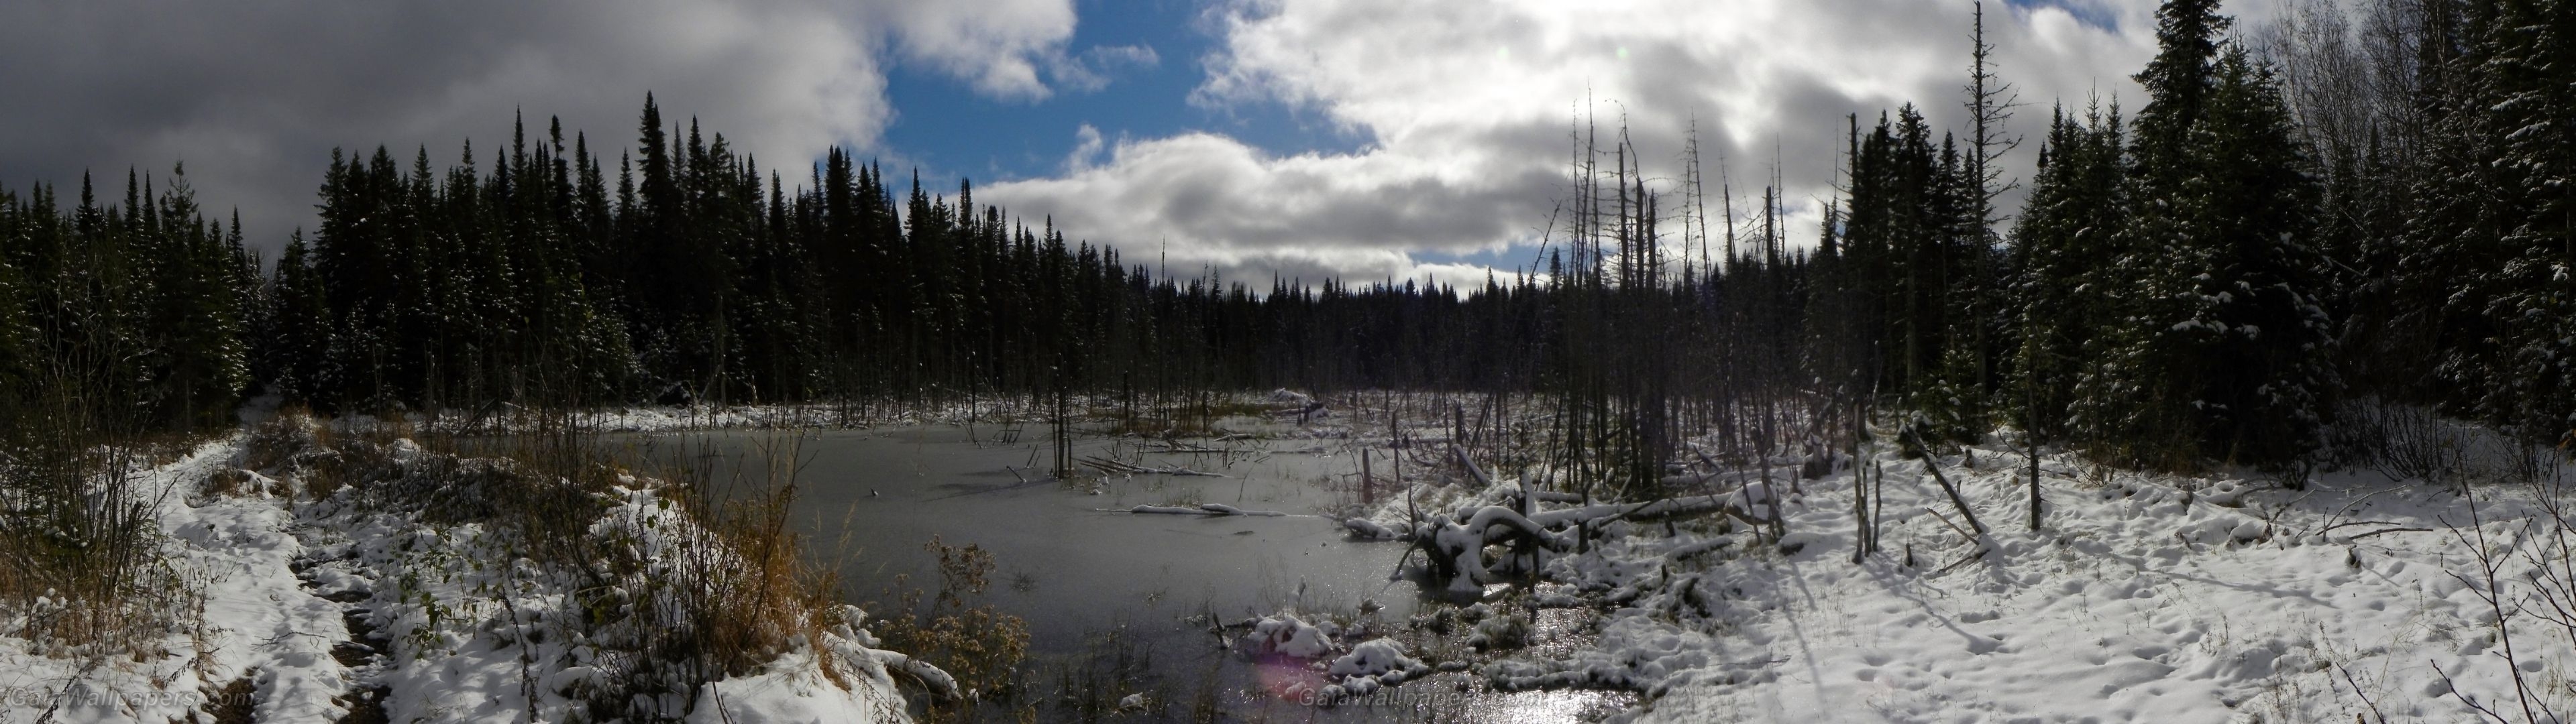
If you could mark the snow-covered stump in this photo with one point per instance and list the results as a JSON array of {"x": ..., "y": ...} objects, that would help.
[
  {"x": 1370, "y": 665},
  {"x": 1309, "y": 662},
  {"x": 1455, "y": 546}
]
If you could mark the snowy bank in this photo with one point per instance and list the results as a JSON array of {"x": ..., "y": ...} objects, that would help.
[
  {"x": 2143, "y": 597},
  {"x": 349, "y": 576}
]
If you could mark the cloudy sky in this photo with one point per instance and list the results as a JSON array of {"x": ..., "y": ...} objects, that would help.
[{"x": 1363, "y": 138}]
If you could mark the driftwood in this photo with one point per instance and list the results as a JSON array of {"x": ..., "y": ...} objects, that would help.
[
  {"x": 1107, "y": 465},
  {"x": 1202, "y": 509},
  {"x": 1455, "y": 545}
]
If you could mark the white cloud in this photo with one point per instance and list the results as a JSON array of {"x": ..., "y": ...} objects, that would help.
[
  {"x": 996, "y": 45},
  {"x": 1007, "y": 49},
  {"x": 253, "y": 95},
  {"x": 1467, "y": 106},
  {"x": 1092, "y": 69},
  {"x": 1086, "y": 149}
]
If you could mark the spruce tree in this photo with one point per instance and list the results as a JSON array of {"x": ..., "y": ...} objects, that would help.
[
  {"x": 2061, "y": 243},
  {"x": 2219, "y": 350}
]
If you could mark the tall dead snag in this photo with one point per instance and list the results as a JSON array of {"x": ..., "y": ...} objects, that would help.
[
  {"x": 1990, "y": 104},
  {"x": 1866, "y": 540},
  {"x": 2034, "y": 473}
]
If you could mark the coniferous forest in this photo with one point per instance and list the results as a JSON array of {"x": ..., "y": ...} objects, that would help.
[
  {"x": 2197, "y": 278},
  {"x": 2358, "y": 209}
]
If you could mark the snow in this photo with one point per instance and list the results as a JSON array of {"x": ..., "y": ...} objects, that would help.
[
  {"x": 741, "y": 416},
  {"x": 1382, "y": 659},
  {"x": 1370, "y": 529},
  {"x": 1204, "y": 509},
  {"x": 2145, "y": 598},
  {"x": 1288, "y": 635},
  {"x": 1308, "y": 663},
  {"x": 472, "y": 623},
  {"x": 253, "y": 616},
  {"x": 794, "y": 691},
  {"x": 469, "y": 630}
]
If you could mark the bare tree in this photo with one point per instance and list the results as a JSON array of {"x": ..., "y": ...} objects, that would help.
[{"x": 1991, "y": 101}]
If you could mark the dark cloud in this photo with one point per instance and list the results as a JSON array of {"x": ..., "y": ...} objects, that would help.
[
  {"x": 253, "y": 95},
  {"x": 1465, "y": 106}
]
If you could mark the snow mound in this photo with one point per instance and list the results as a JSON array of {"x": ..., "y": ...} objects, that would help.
[
  {"x": 1287, "y": 635},
  {"x": 1375, "y": 661}
]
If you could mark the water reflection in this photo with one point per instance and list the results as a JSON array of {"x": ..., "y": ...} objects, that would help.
[{"x": 1126, "y": 609}]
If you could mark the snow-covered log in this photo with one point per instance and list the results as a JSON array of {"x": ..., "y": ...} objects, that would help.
[
  {"x": 931, "y": 677},
  {"x": 1369, "y": 529},
  {"x": 1204, "y": 509},
  {"x": 1456, "y": 544}
]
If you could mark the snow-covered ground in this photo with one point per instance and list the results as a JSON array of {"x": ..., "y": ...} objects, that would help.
[
  {"x": 329, "y": 602},
  {"x": 2144, "y": 598},
  {"x": 817, "y": 415},
  {"x": 255, "y": 620}
]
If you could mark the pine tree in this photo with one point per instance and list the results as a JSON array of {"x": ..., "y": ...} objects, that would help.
[
  {"x": 2059, "y": 247},
  {"x": 2528, "y": 70},
  {"x": 18, "y": 336},
  {"x": 2220, "y": 350}
]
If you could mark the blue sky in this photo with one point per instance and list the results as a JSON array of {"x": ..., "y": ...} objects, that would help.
[
  {"x": 1283, "y": 97},
  {"x": 1368, "y": 139},
  {"x": 949, "y": 130}
]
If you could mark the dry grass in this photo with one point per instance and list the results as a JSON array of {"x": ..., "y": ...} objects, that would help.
[
  {"x": 1202, "y": 415},
  {"x": 978, "y": 644},
  {"x": 722, "y": 595},
  {"x": 82, "y": 567}
]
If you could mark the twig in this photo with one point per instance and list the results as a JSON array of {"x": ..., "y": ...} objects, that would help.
[
  {"x": 2454, "y": 686},
  {"x": 1971, "y": 557},
  {"x": 1945, "y": 520},
  {"x": 2357, "y": 693}
]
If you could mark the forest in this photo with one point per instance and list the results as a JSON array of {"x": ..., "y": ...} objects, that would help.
[
  {"x": 2334, "y": 213},
  {"x": 2292, "y": 230}
]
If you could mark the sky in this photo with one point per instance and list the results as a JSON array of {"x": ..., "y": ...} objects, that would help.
[{"x": 1364, "y": 139}]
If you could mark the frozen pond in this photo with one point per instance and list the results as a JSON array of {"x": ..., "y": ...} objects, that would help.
[{"x": 1103, "y": 589}]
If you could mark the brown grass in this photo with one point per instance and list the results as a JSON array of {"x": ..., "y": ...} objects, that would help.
[
  {"x": 727, "y": 596},
  {"x": 81, "y": 561},
  {"x": 956, "y": 631}
]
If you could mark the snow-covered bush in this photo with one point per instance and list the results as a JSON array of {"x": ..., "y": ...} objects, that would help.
[{"x": 1500, "y": 632}]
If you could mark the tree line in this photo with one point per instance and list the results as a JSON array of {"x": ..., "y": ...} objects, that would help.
[{"x": 2359, "y": 205}]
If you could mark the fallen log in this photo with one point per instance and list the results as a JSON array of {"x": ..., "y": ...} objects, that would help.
[
  {"x": 1203, "y": 509},
  {"x": 1106, "y": 465}
]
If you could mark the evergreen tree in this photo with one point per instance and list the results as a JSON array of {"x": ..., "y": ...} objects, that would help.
[
  {"x": 2219, "y": 350},
  {"x": 2060, "y": 246}
]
